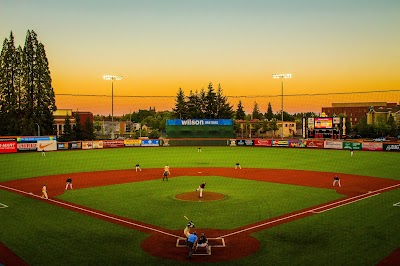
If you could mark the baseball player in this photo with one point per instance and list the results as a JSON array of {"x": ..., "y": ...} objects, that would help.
[
  {"x": 203, "y": 243},
  {"x": 238, "y": 166},
  {"x": 336, "y": 179},
  {"x": 69, "y": 183},
  {"x": 44, "y": 192},
  {"x": 200, "y": 188},
  {"x": 189, "y": 226},
  {"x": 351, "y": 152},
  {"x": 137, "y": 167},
  {"x": 166, "y": 172}
]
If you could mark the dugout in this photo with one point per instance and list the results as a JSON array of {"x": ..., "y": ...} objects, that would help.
[{"x": 199, "y": 128}]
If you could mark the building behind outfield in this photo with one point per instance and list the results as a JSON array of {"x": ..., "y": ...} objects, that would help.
[{"x": 200, "y": 128}]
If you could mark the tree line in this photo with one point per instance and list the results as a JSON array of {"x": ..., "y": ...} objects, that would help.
[
  {"x": 78, "y": 131},
  {"x": 27, "y": 99},
  {"x": 203, "y": 104}
]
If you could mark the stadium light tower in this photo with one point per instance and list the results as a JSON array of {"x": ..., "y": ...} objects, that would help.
[
  {"x": 282, "y": 76},
  {"x": 112, "y": 78}
]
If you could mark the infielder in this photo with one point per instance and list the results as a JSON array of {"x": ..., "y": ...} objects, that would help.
[
  {"x": 137, "y": 167},
  {"x": 336, "y": 179},
  {"x": 238, "y": 166},
  {"x": 166, "y": 172},
  {"x": 200, "y": 188},
  {"x": 69, "y": 183}
]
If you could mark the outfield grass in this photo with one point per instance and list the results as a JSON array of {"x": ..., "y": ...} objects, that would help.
[
  {"x": 361, "y": 233},
  {"x": 25, "y": 165}
]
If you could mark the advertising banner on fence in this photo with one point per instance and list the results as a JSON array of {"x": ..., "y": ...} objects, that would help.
[
  {"x": 87, "y": 145},
  {"x": 74, "y": 145},
  {"x": 27, "y": 146},
  {"x": 35, "y": 139},
  {"x": 297, "y": 143},
  {"x": 47, "y": 145},
  {"x": 329, "y": 144},
  {"x": 113, "y": 143},
  {"x": 352, "y": 145},
  {"x": 150, "y": 142},
  {"x": 391, "y": 147},
  {"x": 8, "y": 145},
  {"x": 263, "y": 142},
  {"x": 315, "y": 144},
  {"x": 372, "y": 146},
  {"x": 132, "y": 142},
  {"x": 97, "y": 144},
  {"x": 280, "y": 143},
  {"x": 232, "y": 142},
  {"x": 244, "y": 142},
  {"x": 62, "y": 145}
]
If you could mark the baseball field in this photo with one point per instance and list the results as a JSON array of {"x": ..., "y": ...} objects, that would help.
[{"x": 281, "y": 208}]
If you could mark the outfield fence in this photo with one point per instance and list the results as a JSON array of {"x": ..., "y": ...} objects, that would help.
[{"x": 50, "y": 143}]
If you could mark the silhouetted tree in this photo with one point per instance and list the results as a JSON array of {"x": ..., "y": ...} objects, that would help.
[{"x": 240, "y": 113}]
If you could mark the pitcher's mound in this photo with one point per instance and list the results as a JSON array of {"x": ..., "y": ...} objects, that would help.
[{"x": 195, "y": 196}]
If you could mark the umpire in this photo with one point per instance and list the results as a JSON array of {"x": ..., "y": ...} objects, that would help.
[{"x": 191, "y": 243}]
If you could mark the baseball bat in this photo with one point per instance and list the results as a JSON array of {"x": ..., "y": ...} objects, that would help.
[{"x": 185, "y": 217}]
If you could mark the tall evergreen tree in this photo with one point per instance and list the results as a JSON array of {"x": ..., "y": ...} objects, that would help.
[
  {"x": 193, "y": 111},
  {"x": 8, "y": 95},
  {"x": 88, "y": 130},
  {"x": 39, "y": 98},
  {"x": 240, "y": 113},
  {"x": 67, "y": 134},
  {"x": 269, "y": 115},
  {"x": 77, "y": 129},
  {"x": 201, "y": 103},
  {"x": 256, "y": 112},
  {"x": 180, "y": 109},
  {"x": 210, "y": 101},
  {"x": 224, "y": 109}
]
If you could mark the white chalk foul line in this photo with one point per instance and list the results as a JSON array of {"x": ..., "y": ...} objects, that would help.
[
  {"x": 2, "y": 206},
  {"x": 93, "y": 212},
  {"x": 340, "y": 205},
  {"x": 313, "y": 211}
]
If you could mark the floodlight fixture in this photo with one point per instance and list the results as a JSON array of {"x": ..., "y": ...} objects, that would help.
[
  {"x": 282, "y": 76},
  {"x": 112, "y": 78}
]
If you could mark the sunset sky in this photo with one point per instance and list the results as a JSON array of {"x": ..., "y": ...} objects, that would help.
[{"x": 159, "y": 46}]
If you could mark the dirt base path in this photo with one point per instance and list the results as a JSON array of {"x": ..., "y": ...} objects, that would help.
[{"x": 238, "y": 242}]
